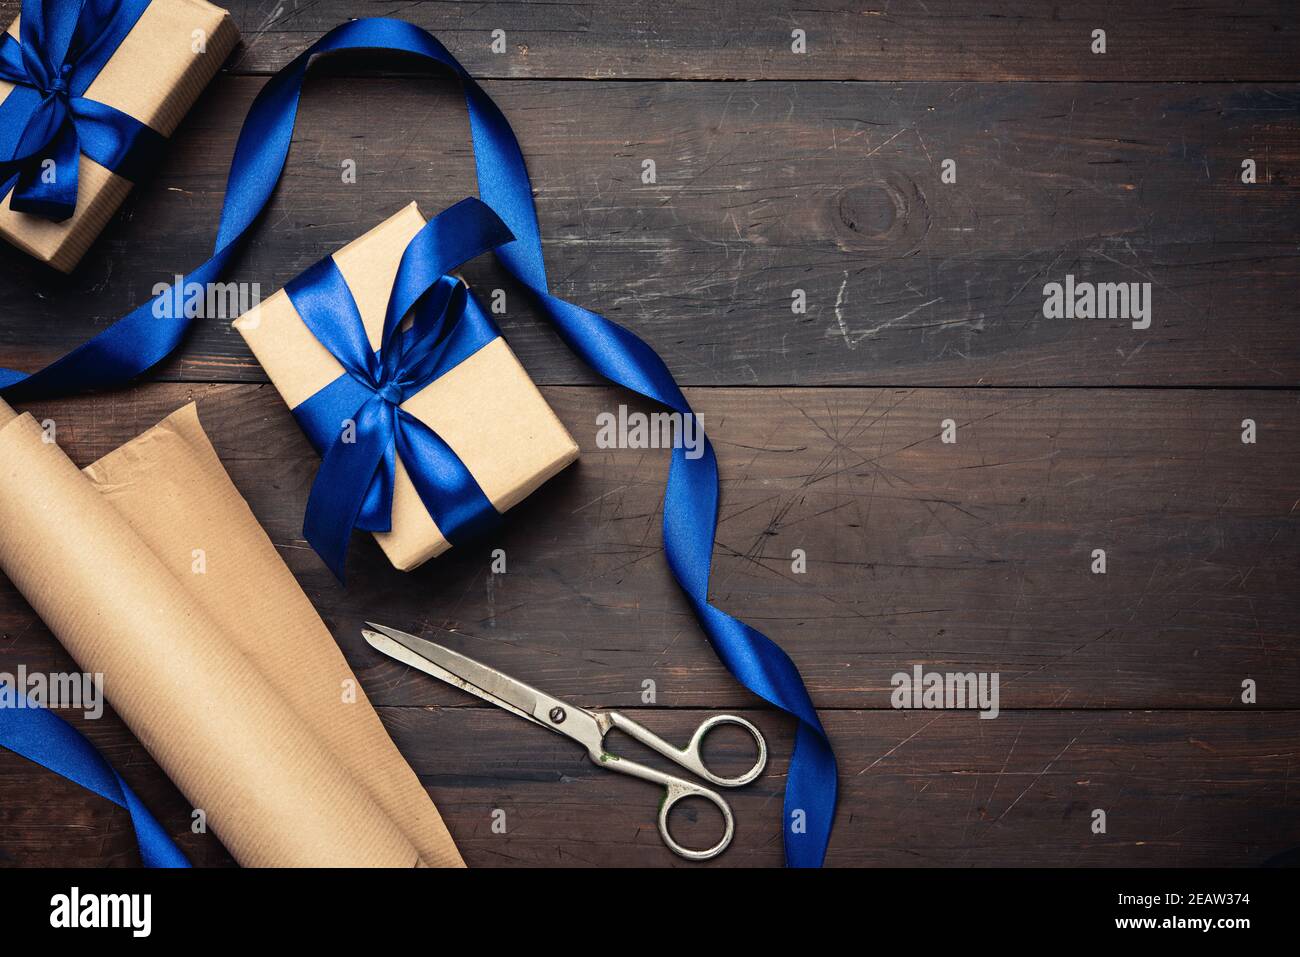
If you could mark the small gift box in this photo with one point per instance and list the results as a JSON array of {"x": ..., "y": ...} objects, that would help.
[
  {"x": 428, "y": 425},
  {"x": 89, "y": 92}
]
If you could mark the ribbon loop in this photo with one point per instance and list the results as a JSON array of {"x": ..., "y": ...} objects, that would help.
[{"x": 40, "y": 735}]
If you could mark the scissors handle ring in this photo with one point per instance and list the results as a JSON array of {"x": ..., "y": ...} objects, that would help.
[
  {"x": 676, "y": 791},
  {"x": 691, "y": 758},
  {"x": 694, "y": 756}
]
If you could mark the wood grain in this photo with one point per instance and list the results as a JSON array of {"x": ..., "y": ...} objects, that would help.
[
  {"x": 764, "y": 189},
  {"x": 846, "y": 40},
  {"x": 973, "y": 556},
  {"x": 1179, "y": 789}
]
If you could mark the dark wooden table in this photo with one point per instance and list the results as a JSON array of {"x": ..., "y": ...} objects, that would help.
[{"x": 821, "y": 171}]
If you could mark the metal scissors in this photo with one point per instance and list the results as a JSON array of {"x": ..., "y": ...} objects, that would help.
[{"x": 588, "y": 728}]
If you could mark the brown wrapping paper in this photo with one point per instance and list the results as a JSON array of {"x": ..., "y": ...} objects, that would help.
[
  {"x": 226, "y": 675},
  {"x": 486, "y": 409},
  {"x": 155, "y": 76}
]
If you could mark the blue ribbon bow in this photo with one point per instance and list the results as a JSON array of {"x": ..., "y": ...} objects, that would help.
[
  {"x": 46, "y": 122},
  {"x": 139, "y": 340},
  {"x": 357, "y": 421}
]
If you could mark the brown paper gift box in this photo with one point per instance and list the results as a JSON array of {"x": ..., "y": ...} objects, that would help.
[
  {"x": 487, "y": 408},
  {"x": 155, "y": 76}
]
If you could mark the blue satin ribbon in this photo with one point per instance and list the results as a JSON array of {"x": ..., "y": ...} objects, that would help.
[
  {"x": 61, "y": 48},
  {"x": 40, "y": 735},
  {"x": 139, "y": 340},
  {"x": 357, "y": 422}
]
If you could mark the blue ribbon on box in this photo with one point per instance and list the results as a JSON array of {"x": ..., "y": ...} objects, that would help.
[
  {"x": 139, "y": 340},
  {"x": 40, "y": 735},
  {"x": 61, "y": 48},
  {"x": 354, "y": 487}
]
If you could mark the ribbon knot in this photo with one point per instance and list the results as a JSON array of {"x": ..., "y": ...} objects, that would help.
[
  {"x": 390, "y": 393},
  {"x": 46, "y": 123},
  {"x": 59, "y": 85},
  {"x": 357, "y": 422}
]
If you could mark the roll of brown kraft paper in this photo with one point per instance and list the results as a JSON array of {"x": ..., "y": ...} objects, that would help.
[{"x": 219, "y": 666}]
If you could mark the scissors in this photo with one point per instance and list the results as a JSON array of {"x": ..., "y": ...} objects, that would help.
[{"x": 588, "y": 728}]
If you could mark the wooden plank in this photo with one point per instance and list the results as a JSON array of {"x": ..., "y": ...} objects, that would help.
[
  {"x": 897, "y": 40},
  {"x": 769, "y": 188},
  {"x": 752, "y": 39},
  {"x": 917, "y": 789},
  {"x": 970, "y": 556}
]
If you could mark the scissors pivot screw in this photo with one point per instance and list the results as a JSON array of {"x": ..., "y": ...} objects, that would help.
[{"x": 557, "y": 715}]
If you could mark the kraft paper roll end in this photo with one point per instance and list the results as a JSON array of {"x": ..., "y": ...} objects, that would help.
[{"x": 227, "y": 676}]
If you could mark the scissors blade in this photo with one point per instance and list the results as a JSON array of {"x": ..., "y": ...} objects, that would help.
[
  {"x": 422, "y": 654},
  {"x": 487, "y": 683}
]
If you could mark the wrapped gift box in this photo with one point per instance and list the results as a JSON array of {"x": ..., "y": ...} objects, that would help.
[
  {"x": 155, "y": 75},
  {"x": 486, "y": 409}
]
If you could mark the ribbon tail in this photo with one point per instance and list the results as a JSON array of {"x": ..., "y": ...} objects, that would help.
[
  {"x": 135, "y": 343},
  {"x": 156, "y": 848},
  {"x": 376, "y": 513},
  {"x": 811, "y": 791},
  {"x": 343, "y": 482},
  {"x": 690, "y": 520},
  {"x": 41, "y": 736},
  {"x": 455, "y": 501},
  {"x": 47, "y": 185}
]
